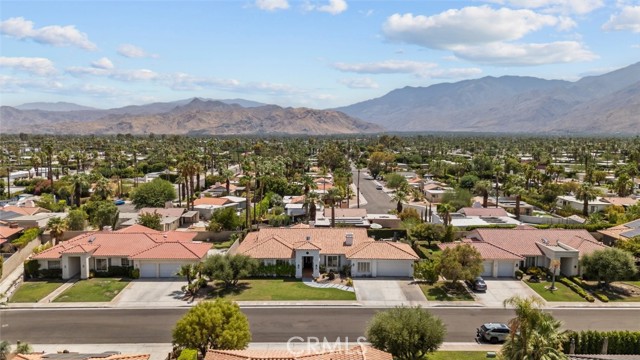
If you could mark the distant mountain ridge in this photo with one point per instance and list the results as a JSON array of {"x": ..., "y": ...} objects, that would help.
[
  {"x": 193, "y": 117},
  {"x": 512, "y": 104}
]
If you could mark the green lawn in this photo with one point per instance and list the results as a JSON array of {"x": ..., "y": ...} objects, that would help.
[
  {"x": 457, "y": 355},
  {"x": 615, "y": 297},
  {"x": 279, "y": 289},
  {"x": 222, "y": 245},
  {"x": 34, "y": 291},
  {"x": 563, "y": 293},
  {"x": 443, "y": 291},
  {"x": 93, "y": 290},
  {"x": 635, "y": 283}
]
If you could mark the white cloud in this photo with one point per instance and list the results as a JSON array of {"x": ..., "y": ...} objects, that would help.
[
  {"x": 556, "y": 6},
  {"x": 272, "y": 5},
  {"x": 334, "y": 7},
  {"x": 116, "y": 74},
  {"x": 637, "y": 46},
  {"x": 55, "y": 35},
  {"x": 500, "y": 53},
  {"x": 468, "y": 26},
  {"x": 360, "y": 83},
  {"x": 386, "y": 67},
  {"x": 187, "y": 82},
  {"x": 628, "y": 19},
  {"x": 11, "y": 84},
  {"x": 420, "y": 69},
  {"x": 132, "y": 51},
  {"x": 36, "y": 66},
  {"x": 102, "y": 63}
]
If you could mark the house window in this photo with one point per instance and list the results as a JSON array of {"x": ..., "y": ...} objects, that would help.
[
  {"x": 332, "y": 261},
  {"x": 53, "y": 265},
  {"x": 124, "y": 262},
  {"x": 281, "y": 262},
  {"x": 101, "y": 264},
  {"x": 364, "y": 267}
]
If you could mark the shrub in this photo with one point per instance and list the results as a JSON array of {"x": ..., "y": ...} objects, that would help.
[
  {"x": 349, "y": 282},
  {"x": 577, "y": 289},
  {"x": 50, "y": 273},
  {"x": 323, "y": 269},
  {"x": 115, "y": 271},
  {"x": 577, "y": 281},
  {"x": 600, "y": 296},
  {"x": 31, "y": 269},
  {"x": 331, "y": 275},
  {"x": 40, "y": 248},
  {"x": 135, "y": 274},
  {"x": 590, "y": 342},
  {"x": 519, "y": 274},
  {"x": 279, "y": 270},
  {"x": 345, "y": 271},
  {"x": 26, "y": 237},
  {"x": 188, "y": 354},
  {"x": 422, "y": 252}
]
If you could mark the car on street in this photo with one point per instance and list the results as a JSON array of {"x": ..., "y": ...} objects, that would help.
[
  {"x": 493, "y": 332},
  {"x": 378, "y": 187},
  {"x": 368, "y": 177},
  {"x": 477, "y": 284},
  {"x": 118, "y": 202}
]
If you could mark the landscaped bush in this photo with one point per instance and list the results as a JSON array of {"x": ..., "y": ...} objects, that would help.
[
  {"x": 331, "y": 275},
  {"x": 50, "y": 274},
  {"x": 31, "y": 269},
  {"x": 188, "y": 354},
  {"x": 41, "y": 248},
  {"x": 577, "y": 281},
  {"x": 279, "y": 270},
  {"x": 135, "y": 274},
  {"x": 345, "y": 271},
  {"x": 590, "y": 342},
  {"x": 577, "y": 289},
  {"x": 537, "y": 271},
  {"x": 519, "y": 274},
  {"x": 387, "y": 233},
  {"x": 115, "y": 271},
  {"x": 26, "y": 237},
  {"x": 422, "y": 252},
  {"x": 349, "y": 282},
  {"x": 600, "y": 296}
]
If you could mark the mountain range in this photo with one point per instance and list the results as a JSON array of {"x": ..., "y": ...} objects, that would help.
[
  {"x": 187, "y": 117},
  {"x": 608, "y": 104},
  {"x": 603, "y": 104}
]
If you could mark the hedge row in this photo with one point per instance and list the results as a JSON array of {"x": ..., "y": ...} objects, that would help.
[
  {"x": 598, "y": 295},
  {"x": 577, "y": 289},
  {"x": 588, "y": 227},
  {"x": 280, "y": 270},
  {"x": 422, "y": 252},
  {"x": 26, "y": 237},
  {"x": 590, "y": 342},
  {"x": 387, "y": 233}
]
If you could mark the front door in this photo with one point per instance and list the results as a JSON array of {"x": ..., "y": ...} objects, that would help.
[{"x": 307, "y": 262}]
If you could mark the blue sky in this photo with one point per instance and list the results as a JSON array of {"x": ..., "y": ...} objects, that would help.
[{"x": 314, "y": 53}]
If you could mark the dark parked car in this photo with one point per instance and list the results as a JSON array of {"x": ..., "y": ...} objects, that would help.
[{"x": 477, "y": 284}]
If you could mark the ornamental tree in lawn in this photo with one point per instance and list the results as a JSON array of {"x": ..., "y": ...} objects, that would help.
[
  {"x": 153, "y": 194},
  {"x": 213, "y": 325},
  {"x": 609, "y": 265},
  {"x": 408, "y": 333}
]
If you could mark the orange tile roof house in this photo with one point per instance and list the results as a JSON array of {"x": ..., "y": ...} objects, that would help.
[
  {"x": 353, "y": 353},
  {"x": 621, "y": 232},
  {"x": 156, "y": 254},
  {"x": 8, "y": 233},
  {"x": 506, "y": 250},
  {"x": 78, "y": 356},
  {"x": 333, "y": 248}
]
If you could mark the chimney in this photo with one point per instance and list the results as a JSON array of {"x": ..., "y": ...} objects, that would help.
[
  {"x": 107, "y": 228},
  {"x": 348, "y": 239}
]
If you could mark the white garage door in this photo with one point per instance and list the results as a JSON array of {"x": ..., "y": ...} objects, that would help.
[
  {"x": 394, "y": 268},
  {"x": 487, "y": 270},
  {"x": 169, "y": 270},
  {"x": 148, "y": 270},
  {"x": 506, "y": 269}
]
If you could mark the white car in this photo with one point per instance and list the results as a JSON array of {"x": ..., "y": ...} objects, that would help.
[{"x": 368, "y": 177}]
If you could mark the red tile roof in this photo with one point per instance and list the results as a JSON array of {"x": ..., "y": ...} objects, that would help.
[
  {"x": 6, "y": 232},
  {"x": 280, "y": 243},
  {"x": 487, "y": 251},
  {"x": 24, "y": 210},
  {"x": 352, "y": 353},
  {"x": 171, "y": 212},
  {"x": 43, "y": 356},
  {"x": 211, "y": 201},
  {"x": 525, "y": 241},
  {"x": 137, "y": 228},
  {"x": 146, "y": 244}
]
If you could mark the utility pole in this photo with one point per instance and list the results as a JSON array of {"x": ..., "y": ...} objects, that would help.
[{"x": 358, "y": 188}]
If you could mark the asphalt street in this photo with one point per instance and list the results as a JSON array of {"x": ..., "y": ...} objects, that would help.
[
  {"x": 124, "y": 326},
  {"x": 377, "y": 201}
]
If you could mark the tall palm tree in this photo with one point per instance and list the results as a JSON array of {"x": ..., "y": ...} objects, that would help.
[
  {"x": 310, "y": 205},
  {"x": 445, "y": 210},
  {"x": 535, "y": 334},
  {"x": 78, "y": 183},
  {"x": 586, "y": 192},
  {"x": 332, "y": 196},
  {"x": 399, "y": 196}
]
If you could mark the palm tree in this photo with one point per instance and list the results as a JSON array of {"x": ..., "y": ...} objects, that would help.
[
  {"x": 445, "y": 210},
  {"x": 482, "y": 188},
  {"x": 535, "y": 334},
  {"x": 56, "y": 226},
  {"x": 399, "y": 196},
  {"x": 332, "y": 196},
  {"x": 78, "y": 183},
  {"x": 586, "y": 192},
  {"x": 310, "y": 205},
  {"x": 5, "y": 350}
]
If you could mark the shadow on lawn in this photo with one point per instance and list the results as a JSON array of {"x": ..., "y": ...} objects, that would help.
[{"x": 447, "y": 291}]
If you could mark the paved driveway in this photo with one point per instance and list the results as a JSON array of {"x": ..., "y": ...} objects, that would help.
[
  {"x": 153, "y": 292},
  {"x": 498, "y": 290},
  {"x": 387, "y": 290}
]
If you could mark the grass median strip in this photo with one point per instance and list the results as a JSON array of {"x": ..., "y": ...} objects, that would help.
[
  {"x": 280, "y": 289},
  {"x": 34, "y": 291},
  {"x": 458, "y": 355},
  {"x": 93, "y": 290}
]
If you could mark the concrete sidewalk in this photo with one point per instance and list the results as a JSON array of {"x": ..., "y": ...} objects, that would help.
[
  {"x": 160, "y": 351},
  {"x": 49, "y": 298}
]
